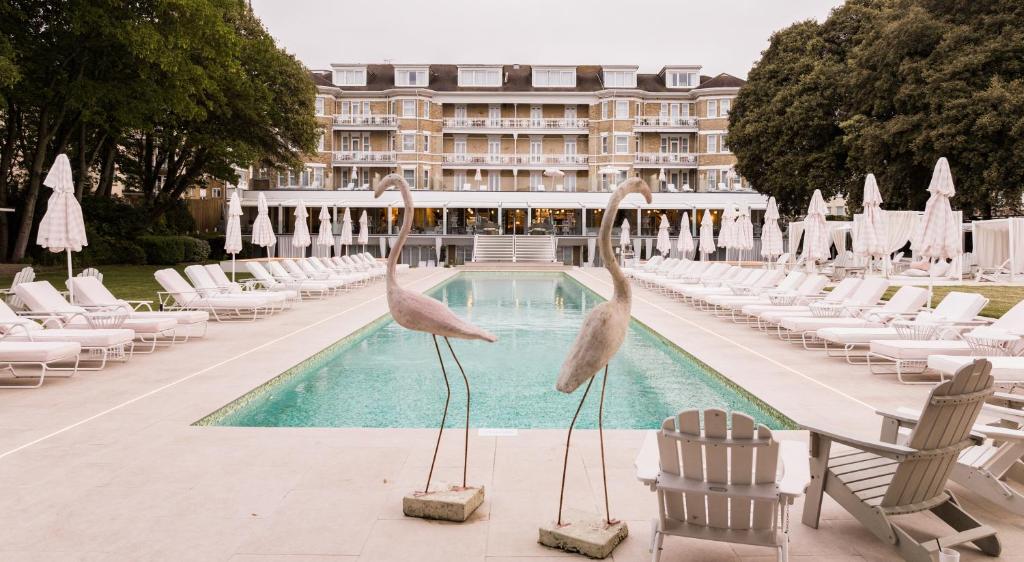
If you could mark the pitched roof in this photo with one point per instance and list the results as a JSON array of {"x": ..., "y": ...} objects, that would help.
[{"x": 723, "y": 80}]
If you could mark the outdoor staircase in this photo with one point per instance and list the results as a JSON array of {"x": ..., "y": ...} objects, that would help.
[{"x": 514, "y": 249}]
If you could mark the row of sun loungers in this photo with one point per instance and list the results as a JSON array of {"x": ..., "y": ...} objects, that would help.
[{"x": 56, "y": 336}]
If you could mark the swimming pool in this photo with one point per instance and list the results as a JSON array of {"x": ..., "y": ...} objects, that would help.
[{"x": 387, "y": 376}]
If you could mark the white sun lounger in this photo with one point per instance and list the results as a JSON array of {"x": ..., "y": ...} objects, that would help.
[
  {"x": 179, "y": 295},
  {"x": 904, "y": 303},
  {"x": 42, "y": 299},
  {"x": 792, "y": 327},
  {"x": 314, "y": 265},
  {"x": 682, "y": 269},
  {"x": 37, "y": 354},
  {"x": 101, "y": 344},
  {"x": 206, "y": 286},
  {"x": 956, "y": 309},
  {"x": 90, "y": 293},
  {"x": 747, "y": 278},
  {"x": 296, "y": 272},
  {"x": 269, "y": 282},
  {"x": 279, "y": 273},
  {"x": 767, "y": 313},
  {"x": 220, "y": 277},
  {"x": 811, "y": 286}
]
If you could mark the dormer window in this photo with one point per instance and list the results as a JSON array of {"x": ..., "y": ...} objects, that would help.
[
  {"x": 349, "y": 76},
  {"x": 620, "y": 77},
  {"x": 554, "y": 77},
  {"x": 411, "y": 76},
  {"x": 486, "y": 77},
  {"x": 680, "y": 79}
]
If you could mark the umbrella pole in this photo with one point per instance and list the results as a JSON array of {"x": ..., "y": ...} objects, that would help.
[
  {"x": 71, "y": 286},
  {"x": 232, "y": 268}
]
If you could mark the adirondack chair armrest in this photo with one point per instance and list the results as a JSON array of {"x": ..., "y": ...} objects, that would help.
[
  {"x": 880, "y": 448},
  {"x": 908, "y": 417},
  {"x": 648, "y": 462},
  {"x": 1008, "y": 414},
  {"x": 1010, "y": 397},
  {"x": 1001, "y": 433},
  {"x": 796, "y": 469}
]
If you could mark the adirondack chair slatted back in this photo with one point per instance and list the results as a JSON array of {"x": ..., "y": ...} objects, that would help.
[
  {"x": 26, "y": 275},
  {"x": 941, "y": 433},
  {"x": 91, "y": 272},
  {"x": 748, "y": 455}
]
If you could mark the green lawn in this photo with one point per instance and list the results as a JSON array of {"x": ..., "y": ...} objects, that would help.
[
  {"x": 130, "y": 282},
  {"x": 1000, "y": 298}
]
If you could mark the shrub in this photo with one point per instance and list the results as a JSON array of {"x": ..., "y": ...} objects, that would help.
[
  {"x": 196, "y": 250},
  {"x": 103, "y": 250},
  {"x": 163, "y": 250}
]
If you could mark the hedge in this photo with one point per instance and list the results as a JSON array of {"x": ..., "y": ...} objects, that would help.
[{"x": 163, "y": 250}]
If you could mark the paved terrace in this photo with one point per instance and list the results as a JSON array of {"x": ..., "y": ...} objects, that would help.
[{"x": 107, "y": 466}]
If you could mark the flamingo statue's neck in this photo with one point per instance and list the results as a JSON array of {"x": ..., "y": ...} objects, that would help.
[
  {"x": 621, "y": 286},
  {"x": 403, "y": 234}
]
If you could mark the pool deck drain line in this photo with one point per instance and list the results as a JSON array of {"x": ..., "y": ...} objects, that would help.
[
  {"x": 202, "y": 371},
  {"x": 735, "y": 343}
]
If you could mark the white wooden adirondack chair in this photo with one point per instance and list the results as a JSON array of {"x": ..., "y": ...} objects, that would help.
[
  {"x": 26, "y": 275},
  {"x": 91, "y": 272},
  {"x": 739, "y": 497},
  {"x": 880, "y": 479}
]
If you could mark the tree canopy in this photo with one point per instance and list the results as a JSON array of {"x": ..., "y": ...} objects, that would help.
[
  {"x": 157, "y": 94},
  {"x": 888, "y": 87}
]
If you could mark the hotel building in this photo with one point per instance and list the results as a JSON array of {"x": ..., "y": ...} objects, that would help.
[{"x": 515, "y": 149}]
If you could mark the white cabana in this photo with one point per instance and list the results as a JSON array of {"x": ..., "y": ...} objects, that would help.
[
  {"x": 62, "y": 228},
  {"x": 664, "y": 241},
  {"x": 707, "y": 234},
  {"x": 346, "y": 229},
  {"x": 300, "y": 235},
  {"x": 816, "y": 232},
  {"x": 771, "y": 234},
  {"x": 325, "y": 235},
  {"x": 233, "y": 230},
  {"x": 999, "y": 246},
  {"x": 685, "y": 244},
  {"x": 364, "y": 232},
  {"x": 262, "y": 230}
]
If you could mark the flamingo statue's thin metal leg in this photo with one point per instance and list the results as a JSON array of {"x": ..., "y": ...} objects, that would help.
[
  {"x": 465, "y": 450},
  {"x": 568, "y": 439},
  {"x": 600, "y": 431},
  {"x": 444, "y": 416}
]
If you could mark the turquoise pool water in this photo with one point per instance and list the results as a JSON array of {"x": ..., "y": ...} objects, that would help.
[{"x": 387, "y": 376}]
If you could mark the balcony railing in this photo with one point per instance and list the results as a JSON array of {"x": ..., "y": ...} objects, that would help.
[
  {"x": 515, "y": 123},
  {"x": 365, "y": 157},
  {"x": 666, "y": 158},
  {"x": 516, "y": 159},
  {"x": 370, "y": 121},
  {"x": 665, "y": 122}
]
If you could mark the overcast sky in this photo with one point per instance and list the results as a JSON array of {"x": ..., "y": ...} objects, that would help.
[{"x": 722, "y": 35}]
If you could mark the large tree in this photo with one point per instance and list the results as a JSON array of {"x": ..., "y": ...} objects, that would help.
[{"x": 889, "y": 86}]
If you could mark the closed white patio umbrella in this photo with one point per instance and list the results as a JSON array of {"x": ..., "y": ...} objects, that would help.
[
  {"x": 364, "y": 231},
  {"x": 870, "y": 240},
  {"x": 707, "y": 234},
  {"x": 743, "y": 231},
  {"x": 727, "y": 229},
  {"x": 233, "y": 231},
  {"x": 62, "y": 228},
  {"x": 437, "y": 249},
  {"x": 664, "y": 245},
  {"x": 346, "y": 229},
  {"x": 938, "y": 232},
  {"x": 262, "y": 230},
  {"x": 771, "y": 234},
  {"x": 383, "y": 243},
  {"x": 816, "y": 233},
  {"x": 685, "y": 243},
  {"x": 325, "y": 235},
  {"x": 300, "y": 237},
  {"x": 624, "y": 233}
]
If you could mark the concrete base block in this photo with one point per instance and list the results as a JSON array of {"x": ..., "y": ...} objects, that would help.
[
  {"x": 450, "y": 503},
  {"x": 585, "y": 533}
]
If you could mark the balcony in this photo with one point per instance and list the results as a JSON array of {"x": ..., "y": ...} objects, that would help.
[
  {"x": 365, "y": 122},
  {"x": 366, "y": 157},
  {"x": 665, "y": 123},
  {"x": 517, "y": 125},
  {"x": 568, "y": 161},
  {"x": 665, "y": 159}
]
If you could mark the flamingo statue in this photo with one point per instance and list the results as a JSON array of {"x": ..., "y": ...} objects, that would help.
[
  {"x": 601, "y": 335},
  {"x": 423, "y": 314}
]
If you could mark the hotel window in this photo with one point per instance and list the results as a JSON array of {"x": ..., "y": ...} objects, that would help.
[
  {"x": 725, "y": 146},
  {"x": 410, "y": 77},
  {"x": 712, "y": 144},
  {"x": 535, "y": 180},
  {"x": 621, "y": 144},
  {"x": 426, "y": 179},
  {"x": 554, "y": 78},
  {"x": 622, "y": 109},
  {"x": 460, "y": 146},
  {"x": 408, "y": 108},
  {"x": 619, "y": 79},
  {"x": 320, "y": 105},
  {"x": 408, "y": 142},
  {"x": 684, "y": 144},
  {"x": 712, "y": 108},
  {"x": 494, "y": 180},
  {"x": 604, "y": 144},
  {"x": 687, "y": 109},
  {"x": 410, "y": 177},
  {"x": 494, "y": 146},
  {"x": 480, "y": 77},
  {"x": 570, "y": 181},
  {"x": 460, "y": 180},
  {"x": 536, "y": 116},
  {"x": 570, "y": 146},
  {"x": 536, "y": 148},
  {"x": 570, "y": 112},
  {"x": 320, "y": 142},
  {"x": 426, "y": 110},
  {"x": 604, "y": 110},
  {"x": 494, "y": 115},
  {"x": 350, "y": 77},
  {"x": 663, "y": 110},
  {"x": 426, "y": 142},
  {"x": 460, "y": 114},
  {"x": 680, "y": 79},
  {"x": 723, "y": 107},
  {"x": 711, "y": 180}
]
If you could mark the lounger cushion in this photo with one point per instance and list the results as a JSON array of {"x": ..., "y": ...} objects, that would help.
[
  {"x": 181, "y": 317},
  {"x": 814, "y": 323},
  {"x": 240, "y": 302},
  {"x": 37, "y": 352},
  {"x": 85, "y": 338},
  {"x": 909, "y": 350},
  {"x": 1004, "y": 369},
  {"x": 844, "y": 336},
  {"x": 139, "y": 325}
]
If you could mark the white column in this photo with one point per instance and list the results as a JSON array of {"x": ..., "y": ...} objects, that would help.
[
  {"x": 501, "y": 223},
  {"x": 280, "y": 219},
  {"x": 444, "y": 220},
  {"x": 390, "y": 218}
]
